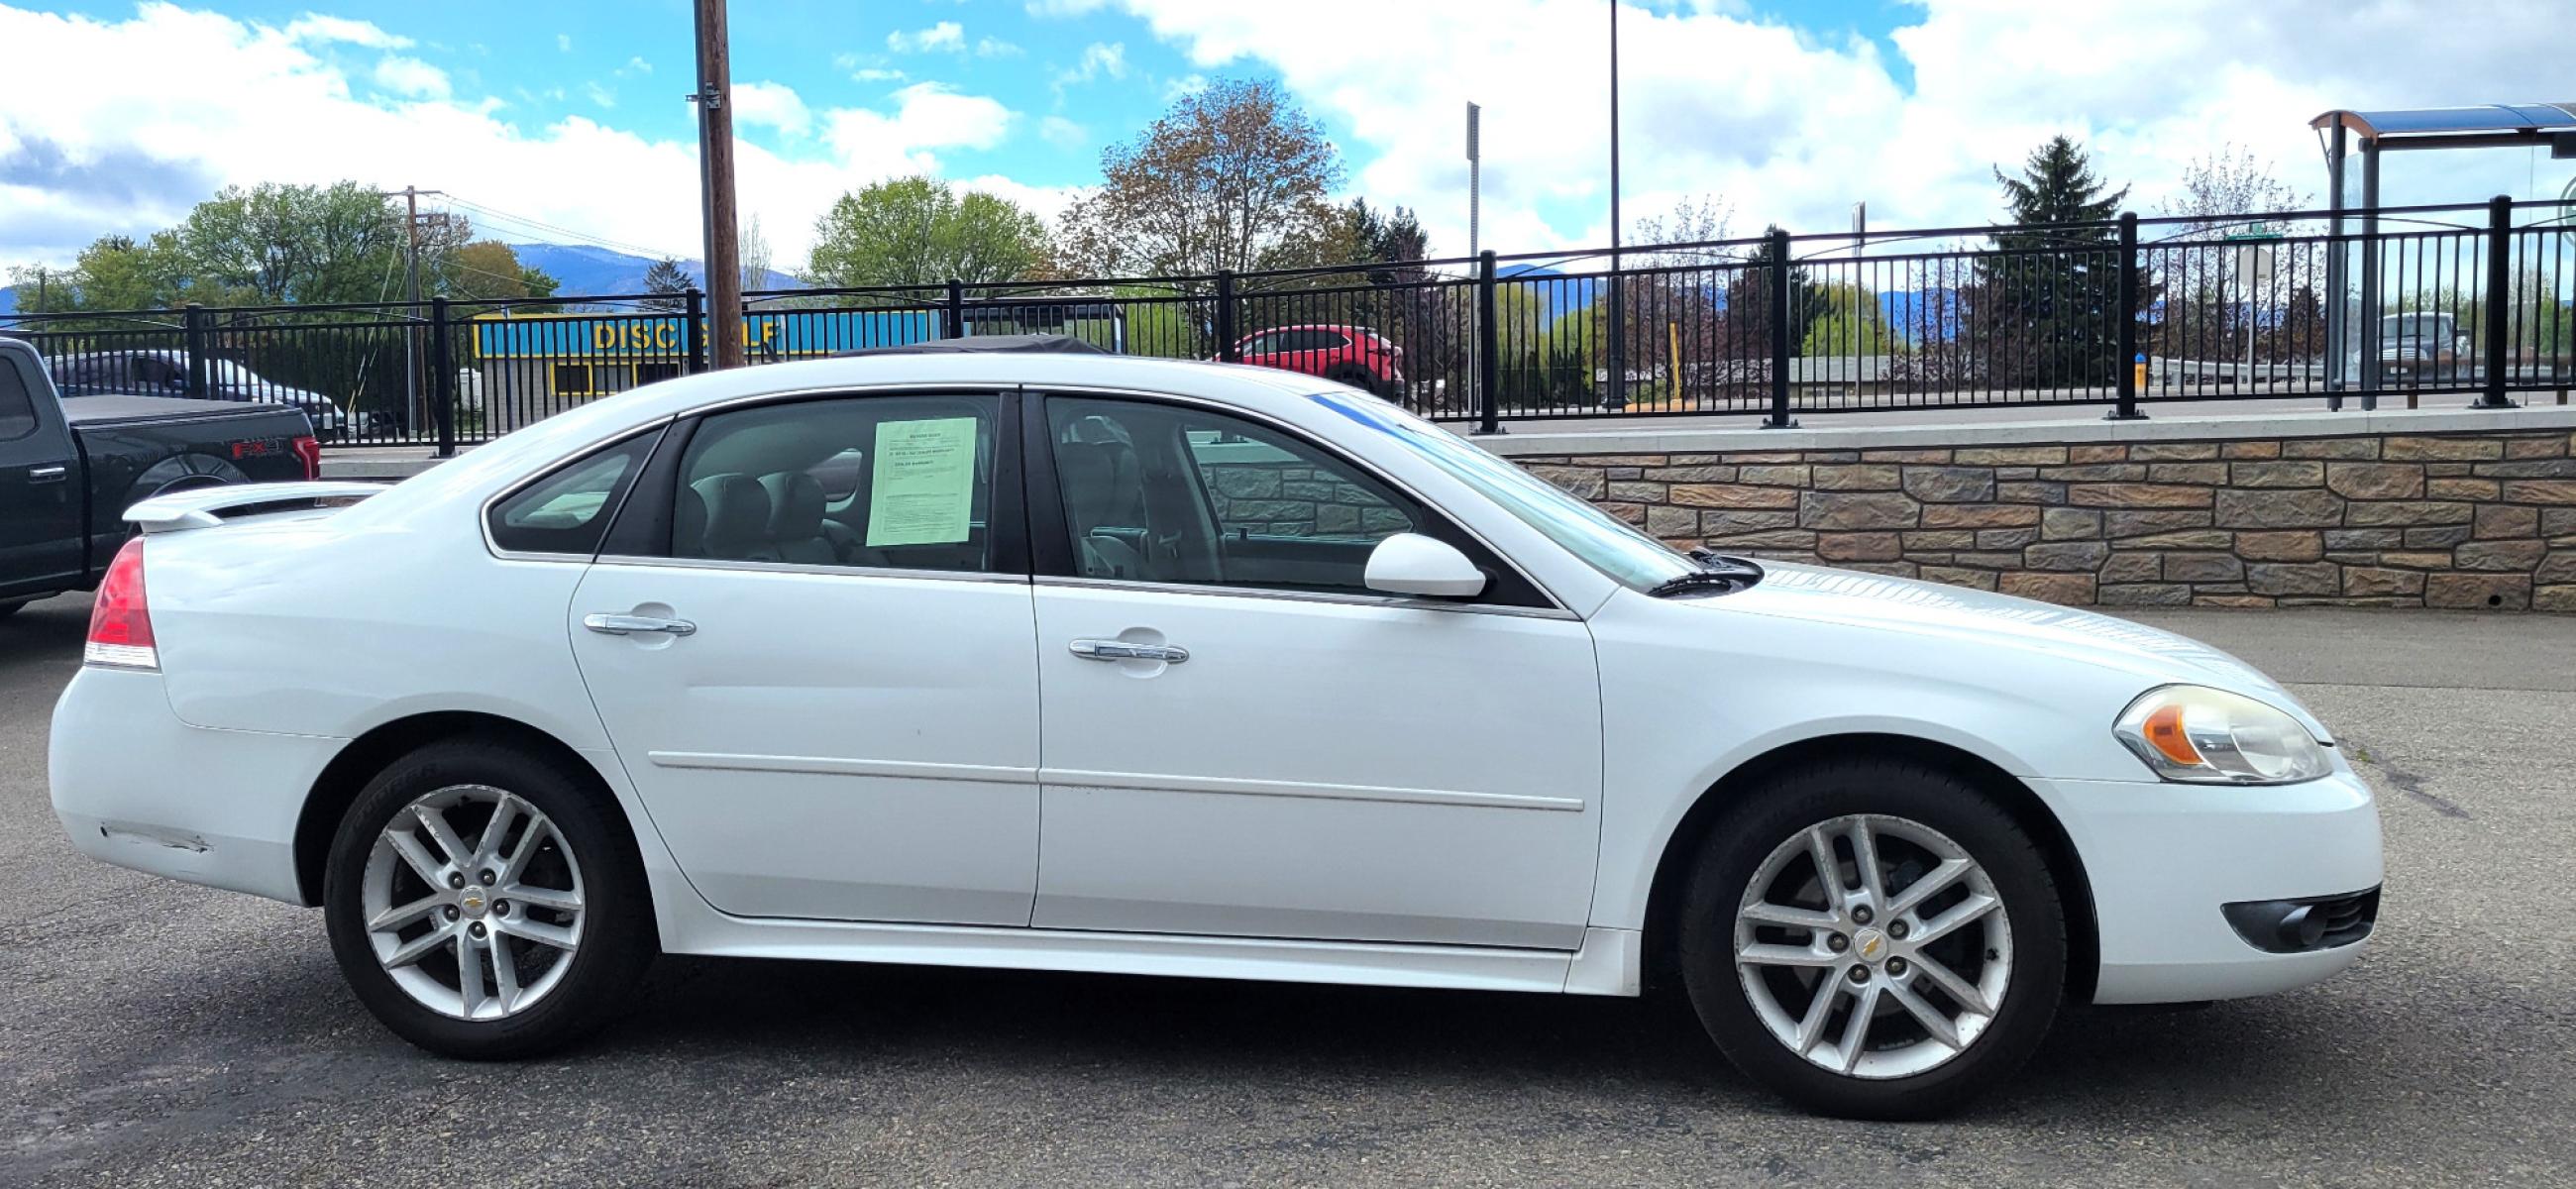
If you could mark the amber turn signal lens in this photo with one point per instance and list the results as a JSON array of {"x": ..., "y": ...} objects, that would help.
[{"x": 2163, "y": 730}]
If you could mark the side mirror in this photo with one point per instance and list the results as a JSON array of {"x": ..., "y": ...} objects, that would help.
[{"x": 1413, "y": 564}]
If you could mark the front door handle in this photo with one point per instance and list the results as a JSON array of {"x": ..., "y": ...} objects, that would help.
[
  {"x": 52, "y": 474},
  {"x": 626, "y": 625},
  {"x": 1120, "y": 650}
]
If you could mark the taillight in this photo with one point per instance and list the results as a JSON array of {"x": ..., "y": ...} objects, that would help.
[
  {"x": 120, "y": 622},
  {"x": 308, "y": 450}
]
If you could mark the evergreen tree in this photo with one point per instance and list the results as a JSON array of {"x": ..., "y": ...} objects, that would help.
[
  {"x": 665, "y": 277},
  {"x": 2044, "y": 301}
]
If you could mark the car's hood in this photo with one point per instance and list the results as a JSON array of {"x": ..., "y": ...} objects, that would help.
[{"x": 2002, "y": 622}]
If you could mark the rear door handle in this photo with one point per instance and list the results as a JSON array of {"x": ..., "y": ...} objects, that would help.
[
  {"x": 627, "y": 625},
  {"x": 1120, "y": 650},
  {"x": 52, "y": 474}
]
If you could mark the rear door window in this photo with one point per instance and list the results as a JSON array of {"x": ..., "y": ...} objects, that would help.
[{"x": 868, "y": 482}]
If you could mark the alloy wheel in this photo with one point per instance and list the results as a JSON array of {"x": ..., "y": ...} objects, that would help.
[
  {"x": 480, "y": 929},
  {"x": 1873, "y": 946}
]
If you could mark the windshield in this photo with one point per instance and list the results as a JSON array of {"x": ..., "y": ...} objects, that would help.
[
  {"x": 2415, "y": 327},
  {"x": 1603, "y": 540}
]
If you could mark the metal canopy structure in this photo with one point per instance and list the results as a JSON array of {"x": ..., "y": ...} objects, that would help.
[{"x": 2486, "y": 126}]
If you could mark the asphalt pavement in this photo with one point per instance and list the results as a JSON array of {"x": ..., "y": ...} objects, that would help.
[{"x": 153, "y": 1033}]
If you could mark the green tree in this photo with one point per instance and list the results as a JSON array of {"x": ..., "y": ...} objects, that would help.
[
  {"x": 1236, "y": 176},
  {"x": 2044, "y": 303},
  {"x": 922, "y": 231},
  {"x": 668, "y": 282},
  {"x": 1850, "y": 323},
  {"x": 305, "y": 245}
]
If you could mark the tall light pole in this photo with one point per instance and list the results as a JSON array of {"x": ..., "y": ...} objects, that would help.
[
  {"x": 1475, "y": 198},
  {"x": 1618, "y": 398},
  {"x": 1475, "y": 180},
  {"x": 715, "y": 160}
]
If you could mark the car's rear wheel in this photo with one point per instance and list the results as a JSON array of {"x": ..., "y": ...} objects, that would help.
[
  {"x": 1873, "y": 939},
  {"x": 485, "y": 903}
]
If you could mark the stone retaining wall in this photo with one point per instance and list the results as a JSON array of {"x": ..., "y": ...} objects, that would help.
[{"x": 2469, "y": 520}]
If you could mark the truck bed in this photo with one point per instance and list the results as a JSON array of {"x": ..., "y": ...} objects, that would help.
[{"x": 111, "y": 409}]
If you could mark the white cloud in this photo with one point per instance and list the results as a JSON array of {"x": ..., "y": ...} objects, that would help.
[
  {"x": 1065, "y": 8},
  {"x": 946, "y": 37},
  {"x": 1061, "y": 132},
  {"x": 634, "y": 66},
  {"x": 412, "y": 77},
  {"x": 876, "y": 74},
  {"x": 1184, "y": 86},
  {"x": 926, "y": 116},
  {"x": 994, "y": 47},
  {"x": 599, "y": 94},
  {"x": 1099, "y": 59},
  {"x": 313, "y": 27},
  {"x": 1795, "y": 128},
  {"x": 204, "y": 100},
  {"x": 563, "y": 41},
  {"x": 771, "y": 105},
  {"x": 1046, "y": 202}
]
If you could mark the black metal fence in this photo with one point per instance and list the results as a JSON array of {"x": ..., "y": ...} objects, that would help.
[{"x": 2478, "y": 301}]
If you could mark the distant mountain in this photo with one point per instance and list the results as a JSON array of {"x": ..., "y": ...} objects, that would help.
[{"x": 592, "y": 272}]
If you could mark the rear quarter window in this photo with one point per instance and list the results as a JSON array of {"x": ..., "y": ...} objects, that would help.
[{"x": 567, "y": 511}]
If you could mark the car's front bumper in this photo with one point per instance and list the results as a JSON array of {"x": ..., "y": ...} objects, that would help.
[
  {"x": 136, "y": 787},
  {"x": 2164, "y": 861}
]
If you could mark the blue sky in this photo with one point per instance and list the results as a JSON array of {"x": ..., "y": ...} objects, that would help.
[{"x": 562, "y": 119}]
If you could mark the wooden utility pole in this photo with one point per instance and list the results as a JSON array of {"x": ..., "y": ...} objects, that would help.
[
  {"x": 411, "y": 293},
  {"x": 715, "y": 160}
]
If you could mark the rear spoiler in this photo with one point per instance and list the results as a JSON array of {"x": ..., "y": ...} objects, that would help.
[{"x": 208, "y": 507}]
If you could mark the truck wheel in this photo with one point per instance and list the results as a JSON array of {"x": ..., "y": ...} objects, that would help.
[
  {"x": 1873, "y": 939},
  {"x": 184, "y": 472}
]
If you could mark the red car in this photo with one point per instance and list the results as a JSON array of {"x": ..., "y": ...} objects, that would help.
[{"x": 1353, "y": 355}]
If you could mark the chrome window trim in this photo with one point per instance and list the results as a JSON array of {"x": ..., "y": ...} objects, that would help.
[
  {"x": 1302, "y": 434},
  {"x": 807, "y": 567},
  {"x": 1348, "y": 599}
]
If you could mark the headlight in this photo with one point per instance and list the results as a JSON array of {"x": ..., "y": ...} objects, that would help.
[{"x": 2207, "y": 736}]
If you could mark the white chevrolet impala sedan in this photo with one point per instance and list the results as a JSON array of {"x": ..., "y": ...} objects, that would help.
[{"x": 1087, "y": 663}]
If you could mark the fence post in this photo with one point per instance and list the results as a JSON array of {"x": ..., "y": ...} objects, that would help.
[
  {"x": 1780, "y": 295},
  {"x": 952, "y": 315},
  {"x": 2499, "y": 302},
  {"x": 1226, "y": 331},
  {"x": 194, "y": 340},
  {"x": 693, "y": 328},
  {"x": 1489, "y": 396},
  {"x": 2132, "y": 364},
  {"x": 442, "y": 378}
]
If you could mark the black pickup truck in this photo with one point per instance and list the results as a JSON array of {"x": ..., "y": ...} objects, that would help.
[{"x": 70, "y": 469}]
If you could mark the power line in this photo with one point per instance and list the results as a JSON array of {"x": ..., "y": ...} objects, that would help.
[{"x": 584, "y": 237}]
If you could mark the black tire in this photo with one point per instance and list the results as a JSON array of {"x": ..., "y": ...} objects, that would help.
[
  {"x": 1784, "y": 808},
  {"x": 616, "y": 943}
]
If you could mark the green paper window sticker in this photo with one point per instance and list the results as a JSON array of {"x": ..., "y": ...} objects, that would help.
[{"x": 923, "y": 490}]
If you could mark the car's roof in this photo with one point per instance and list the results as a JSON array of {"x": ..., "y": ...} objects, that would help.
[{"x": 1254, "y": 385}]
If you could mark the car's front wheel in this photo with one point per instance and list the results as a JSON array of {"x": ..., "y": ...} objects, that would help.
[
  {"x": 486, "y": 903},
  {"x": 1873, "y": 939}
]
